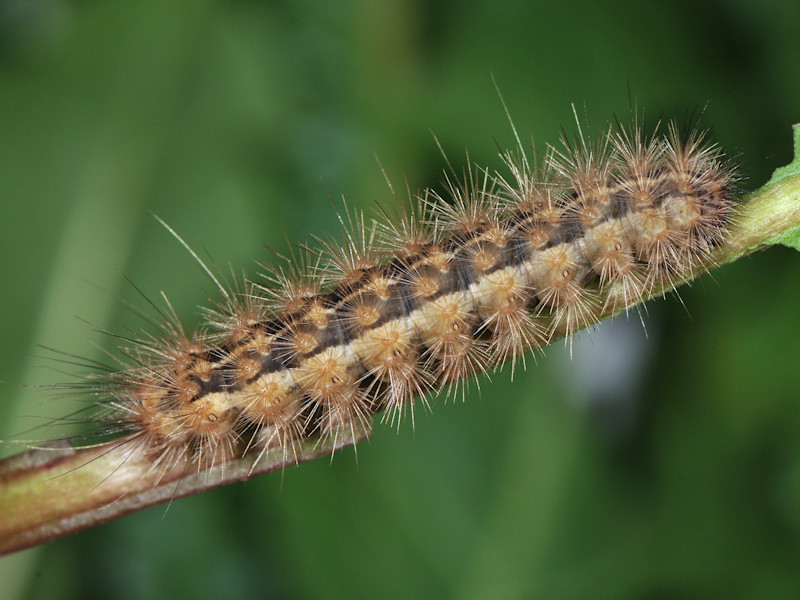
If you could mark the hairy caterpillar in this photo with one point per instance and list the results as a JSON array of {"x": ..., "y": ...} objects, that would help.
[
  {"x": 405, "y": 306},
  {"x": 400, "y": 308}
]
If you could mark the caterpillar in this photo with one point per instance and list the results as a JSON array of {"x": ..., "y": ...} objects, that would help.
[
  {"x": 402, "y": 307},
  {"x": 419, "y": 300}
]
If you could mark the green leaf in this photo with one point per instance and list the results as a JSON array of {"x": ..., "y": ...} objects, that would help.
[
  {"x": 793, "y": 167},
  {"x": 789, "y": 192}
]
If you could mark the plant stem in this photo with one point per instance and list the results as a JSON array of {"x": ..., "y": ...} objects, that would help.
[{"x": 53, "y": 491}]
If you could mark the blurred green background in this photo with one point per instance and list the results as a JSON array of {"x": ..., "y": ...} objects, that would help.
[{"x": 657, "y": 465}]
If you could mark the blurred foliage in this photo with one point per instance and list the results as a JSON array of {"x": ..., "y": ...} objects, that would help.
[{"x": 241, "y": 124}]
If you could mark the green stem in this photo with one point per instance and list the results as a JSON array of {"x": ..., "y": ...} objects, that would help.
[{"x": 53, "y": 491}]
